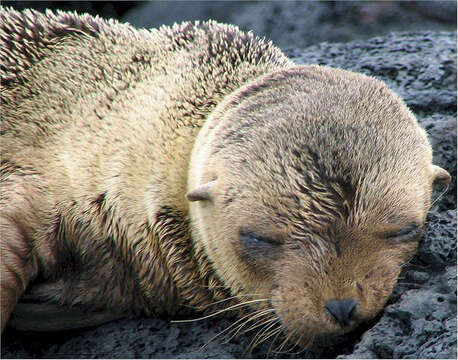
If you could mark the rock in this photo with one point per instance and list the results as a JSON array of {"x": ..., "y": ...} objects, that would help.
[
  {"x": 156, "y": 13},
  {"x": 420, "y": 318},
  {"x": 303, "y": 23}
]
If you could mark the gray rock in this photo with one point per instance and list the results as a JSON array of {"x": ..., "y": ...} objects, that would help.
[
  {"x": 303, "y": 23},
  {"x": 156, "y": 13},
  {"x": 286, "y": 23},
  {"x": 420, "y": 318}
]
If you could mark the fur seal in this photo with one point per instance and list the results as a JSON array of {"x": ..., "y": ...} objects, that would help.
[{"x": 197, "y": 166}]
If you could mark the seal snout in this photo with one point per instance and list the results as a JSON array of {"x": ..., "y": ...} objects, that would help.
[{"x": 342, "y": 311}]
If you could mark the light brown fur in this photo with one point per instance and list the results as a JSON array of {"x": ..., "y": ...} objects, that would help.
[{"x": 99, "y": 122}]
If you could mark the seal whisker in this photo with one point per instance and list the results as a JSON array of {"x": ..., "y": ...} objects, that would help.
[
  {"x": 221, "y": 301},
  {"x": 260, "y": 323},
  {"x": 233, "y": 307},
  {"x": 244, "y": 320},
  {"x": 228, "y": 328},
  {"x": 279, "y": 349},
  {"x": 292, "y": 346},
  {"x": 438, "y": 198},
  {"x": 280, "y": 331},
  {"x": 255, "y": 342},
  {"x": 240, "y": 326},
  {"x": 297, "y": 343},
  {"x": 269, "y": 334},
  {"x": 289, "y": 352}
]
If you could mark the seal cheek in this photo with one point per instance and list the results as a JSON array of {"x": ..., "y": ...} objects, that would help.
[
  {"x": 301, "y": 311},
  {"x": 375, "y": 285}
]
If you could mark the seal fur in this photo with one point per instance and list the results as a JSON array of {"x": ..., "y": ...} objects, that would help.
[
  {"x": 124, "y": 194},
  {"x": 93, "y": 183}
]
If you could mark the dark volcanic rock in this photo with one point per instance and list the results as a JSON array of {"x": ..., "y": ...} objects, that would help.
[
  {"x": 420, "y": 318},
  {"x": 303, "y": 23}
]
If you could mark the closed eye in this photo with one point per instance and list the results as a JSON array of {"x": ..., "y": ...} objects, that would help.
[
  {"x": 258, "y": 251},
  {"x": 409, "y": 233},
  {"x": 251, "y": 240}
]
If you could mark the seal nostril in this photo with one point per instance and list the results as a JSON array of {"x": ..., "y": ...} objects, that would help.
[{"x": 342, "y": 311}]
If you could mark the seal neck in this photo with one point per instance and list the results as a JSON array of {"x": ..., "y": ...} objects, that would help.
[{"x": 195, "y": 283}]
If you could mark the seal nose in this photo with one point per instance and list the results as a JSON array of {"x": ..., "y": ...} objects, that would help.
[{"x": 342, "y": 310}]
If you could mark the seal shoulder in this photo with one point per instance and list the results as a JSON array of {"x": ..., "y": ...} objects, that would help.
[{"x": 27, "y": 37}]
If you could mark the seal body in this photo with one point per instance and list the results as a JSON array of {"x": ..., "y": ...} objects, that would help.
[
  {"x": 99, "y": 120},
  {"x": 287, "y": 168}
]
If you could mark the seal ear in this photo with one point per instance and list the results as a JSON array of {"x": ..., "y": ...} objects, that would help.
[
  {"x": 202, "y": 192},
  {"x": 440, "y": 175}
]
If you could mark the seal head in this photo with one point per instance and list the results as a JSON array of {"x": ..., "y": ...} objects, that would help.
[{"x": 309, "y": 189}]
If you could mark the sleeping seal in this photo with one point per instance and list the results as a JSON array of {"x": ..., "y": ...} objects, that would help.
[{"x": 196, "y": 166}]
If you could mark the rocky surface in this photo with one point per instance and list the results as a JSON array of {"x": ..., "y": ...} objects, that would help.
[
  {"x": 302, "y": 23},
  {"x": 420, "y": 318}
]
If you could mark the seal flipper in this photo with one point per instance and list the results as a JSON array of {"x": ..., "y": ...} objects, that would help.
[
  {"x": 35, "y": 316},
  {"x": 16, "y": 265}
]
